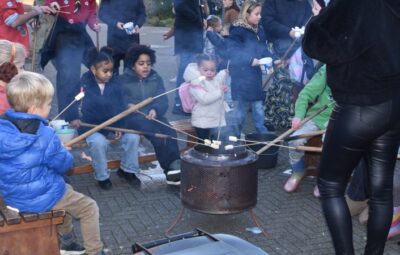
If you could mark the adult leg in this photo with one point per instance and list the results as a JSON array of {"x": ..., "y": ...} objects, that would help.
[
  {"x": 202, "y": 133},
  {"x": 69, "y": 54},
  {"x": 355, "y": 132},
  {"x": 257, "y": 110},
  {"x": 185, "y": 58},
  {"x": 117, "y": 57},
  {"x": 381, "y": 160},
  {"x": 241, "y": 112}
]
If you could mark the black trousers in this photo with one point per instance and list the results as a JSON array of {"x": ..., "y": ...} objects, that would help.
[{"x": 355, "y": 132}]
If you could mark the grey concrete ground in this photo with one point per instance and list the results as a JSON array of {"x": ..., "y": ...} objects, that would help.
[{"x": 294, "y": 222}]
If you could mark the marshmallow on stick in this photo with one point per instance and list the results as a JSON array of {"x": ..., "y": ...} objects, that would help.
[{"x": 76, "y": 98}]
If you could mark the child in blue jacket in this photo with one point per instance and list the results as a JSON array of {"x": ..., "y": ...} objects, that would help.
[{"x": 33, "y": 162}]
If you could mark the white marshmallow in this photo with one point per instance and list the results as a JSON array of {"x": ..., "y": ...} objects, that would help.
[
  {"x": 229, "y": 147},
  {"x": 207, "y": 142},
  {"x": 216, "y": 142},
  {"x": 233, "y": 138},
  {"x": 80, "y": 96}
]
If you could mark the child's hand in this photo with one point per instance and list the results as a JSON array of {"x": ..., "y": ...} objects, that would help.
[
  {"x": 224, "y": 88},
  {"x": 76, "y": 123},
  {"x": 96, "y": 28},
  {"x": 118, "y": 135},
  {"x": 45, "y": 9},
  {"x": 296, "y": 123},
  {"x": 55, "y": 6},
  {"x": 152, "y": 114},
  {"x": 255, "y": 62},
  {"x": 120, "y": 25},
  {"x": 137, "y": 29}
]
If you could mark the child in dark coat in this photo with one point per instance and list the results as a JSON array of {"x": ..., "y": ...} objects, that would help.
[
  {"x": 140, "y": 82},
  {"x": 102, "y": 101}
]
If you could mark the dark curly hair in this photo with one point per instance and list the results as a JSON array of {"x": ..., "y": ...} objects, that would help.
[{"x": 134, "y": 52}]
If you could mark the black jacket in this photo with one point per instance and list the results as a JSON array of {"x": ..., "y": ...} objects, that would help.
[
  {"x": 188, "y": 26},
  {"x": 97, "y": 107},
  {"x": 360, "y": 43},
  {"x": 113, "y": 11},
  {"x": 279, "y": 17}
]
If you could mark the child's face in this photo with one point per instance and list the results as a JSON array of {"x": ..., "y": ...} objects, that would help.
[
  {"x": 208, "y": 69},
  {"x": 227, "y": 3},
  {"x": 103, "y": 71},
  {"x": 218, "y": 28},
  {"x": 255, "y": 16},
  {"x": 142, "y": 66}
]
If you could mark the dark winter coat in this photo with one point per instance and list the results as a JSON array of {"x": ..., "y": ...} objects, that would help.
[
  {"x": 279, "y": 17},
  {"x": 113, "y": 11},
  {"x": 135, "y": 90},
  {"x": 245, "y": 45},
  {"x": 188, "y": 26},
  {"x": 363, "y": 65},
  {"x": 32, "y": 163},
  {"x": 97, "y": 107}
]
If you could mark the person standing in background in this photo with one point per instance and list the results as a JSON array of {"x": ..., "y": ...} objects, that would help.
[
  {"x": 124, "y": 20},
  {"x": 13, "y": 17},
  {"x": 189, "y": 25}
]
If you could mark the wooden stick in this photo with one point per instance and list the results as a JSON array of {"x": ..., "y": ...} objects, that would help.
[
  {"x": 34, "y": 42},
  {"x": 132, "y": 131},
  {"x": 306, "y": 135},
  {"x": 308, "y": 148},
  {"x": 290, "y": 131},
  {"x": 110, "y": 121}
]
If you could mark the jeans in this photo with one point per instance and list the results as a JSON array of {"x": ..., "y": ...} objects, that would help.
[
  {"x": 70, "y": 49},
  {"x": 257, "y": 109},
  {"x": 355, "y": 132},
  {"x": 85, "y": 209},
  {"x": 185, "y": 58},
  {"x": 98, "y": 146},
  {"x": 296, "y": 158}
]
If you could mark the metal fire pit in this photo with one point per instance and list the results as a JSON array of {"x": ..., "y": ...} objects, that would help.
[{"x": 219, "y": 182}]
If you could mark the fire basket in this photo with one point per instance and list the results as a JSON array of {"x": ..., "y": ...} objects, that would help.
[{"x": 219, "y": 181}]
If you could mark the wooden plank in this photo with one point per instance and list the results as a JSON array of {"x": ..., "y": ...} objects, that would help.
[
  {"x": 1, "y": 220},
  {"x": 29, "y": 217},
  {"x": 58, "y": 213},
  {"x": 45, "y": 215},
  {"x": 11, "y": 217}
]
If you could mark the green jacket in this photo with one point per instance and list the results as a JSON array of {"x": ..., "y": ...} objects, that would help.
[{"x": 313, "y": 96}]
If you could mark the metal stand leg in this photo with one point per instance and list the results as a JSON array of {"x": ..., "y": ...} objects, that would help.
[
  {"x": 180, "y": 214},
  {"x": 256, "y": 221}
]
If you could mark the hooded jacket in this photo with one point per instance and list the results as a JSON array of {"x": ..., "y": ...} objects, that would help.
[
  {"x": 32, "y": 163},
  {"x": 246, "y": 43},
  {"x": 209, "y": 109}
]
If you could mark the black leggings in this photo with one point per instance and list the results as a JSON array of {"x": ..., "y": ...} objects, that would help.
[{"x": 355, "y": 132}]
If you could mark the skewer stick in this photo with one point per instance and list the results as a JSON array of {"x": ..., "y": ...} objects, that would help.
[
  {"x": 292, "y": 130},
  {"x": 77, "y": 98},
  {"x": 97, "y": 32},
  {"x": 297, "y": 148},
  {"x": 116, "y": 118},
  {"x": 167, "y": 125},
  {"x": 110, "y": 121},
  {"x": 137, "y": 132}
]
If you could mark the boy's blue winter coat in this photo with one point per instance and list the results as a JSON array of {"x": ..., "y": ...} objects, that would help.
[{"x": 31, "y": 165}]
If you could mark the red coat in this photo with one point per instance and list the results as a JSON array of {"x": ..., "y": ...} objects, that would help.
[
  {"x": 86, "y": 14},
  {"x": 9, "y": 10}
]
